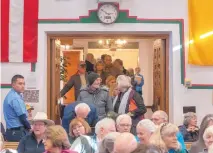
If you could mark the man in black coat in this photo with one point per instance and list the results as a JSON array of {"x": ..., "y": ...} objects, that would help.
[{"x": 77, "y": 80}]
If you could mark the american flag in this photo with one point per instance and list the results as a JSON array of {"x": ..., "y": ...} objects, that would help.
[{"x": 19, "y": 30}]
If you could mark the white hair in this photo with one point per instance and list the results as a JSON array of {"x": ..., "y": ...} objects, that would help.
[
  {"x": 208, "y": 131},
  {"x": 123, "y": 81},
  {"x": 147, "y": 124},
  {"x": 104, "y": 123},
  {"x": 121, "y": 117},
  {"x": 82, "y": 105}
]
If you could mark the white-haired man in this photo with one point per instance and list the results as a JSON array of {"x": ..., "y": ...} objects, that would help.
[
  {"x": 159, "y": 117},
  {"x": 125, "y": 143},
  {"x": 79, "y": 109},
  {"x": 123, "y": 123},
  {"x": 89, "y": 144}
]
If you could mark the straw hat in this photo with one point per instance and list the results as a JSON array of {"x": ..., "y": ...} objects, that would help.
[{"x": 41, "y": 116}]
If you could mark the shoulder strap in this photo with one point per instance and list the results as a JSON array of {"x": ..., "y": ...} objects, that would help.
[{"x": 131, "y": 94}]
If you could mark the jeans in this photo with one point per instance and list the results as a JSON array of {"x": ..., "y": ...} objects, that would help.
[{"x": 15, "y": 134}]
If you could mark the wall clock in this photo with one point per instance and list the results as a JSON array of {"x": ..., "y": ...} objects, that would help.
[{"x": 108, "y": 13}]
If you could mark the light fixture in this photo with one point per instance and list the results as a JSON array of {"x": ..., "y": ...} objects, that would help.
[{"x": 112, "y": 43}]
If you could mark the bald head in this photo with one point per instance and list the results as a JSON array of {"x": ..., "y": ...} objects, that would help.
[
  {"x": 82, "y": 110},
  {"x": 159, "y": 117},
  {"x": 125, "y": 143}
]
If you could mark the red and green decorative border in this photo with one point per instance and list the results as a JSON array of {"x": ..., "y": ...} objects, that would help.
[{"x": 124, "y": 17}]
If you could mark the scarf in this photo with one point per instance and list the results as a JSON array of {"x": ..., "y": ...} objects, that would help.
[{"x": 124, "y": 101}]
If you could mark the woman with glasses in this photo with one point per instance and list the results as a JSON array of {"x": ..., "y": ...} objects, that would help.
[
  {"x": 165, "y": 139},
  {"x": 78, "y": 127},
  {"x": 199, "y": 146}
]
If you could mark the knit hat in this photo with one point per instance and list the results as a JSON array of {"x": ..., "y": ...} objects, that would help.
[{"x": 92, "y": 77}]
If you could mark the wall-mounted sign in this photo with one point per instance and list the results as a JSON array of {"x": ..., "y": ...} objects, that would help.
[{"x": 31, "y": 96}]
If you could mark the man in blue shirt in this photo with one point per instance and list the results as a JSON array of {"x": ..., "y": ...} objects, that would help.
[
  {"x": 79, "y": 109},
  {"x": 15, "y": 113}
]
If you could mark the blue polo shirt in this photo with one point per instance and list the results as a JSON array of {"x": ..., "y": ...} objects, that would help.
[{"x": 13, "y": 107}]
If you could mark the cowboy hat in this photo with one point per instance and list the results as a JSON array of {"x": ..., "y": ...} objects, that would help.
[{"x": 41, "y": 116}]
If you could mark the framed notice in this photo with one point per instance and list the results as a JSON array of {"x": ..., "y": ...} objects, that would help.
[{"x": 31, "y": 96}]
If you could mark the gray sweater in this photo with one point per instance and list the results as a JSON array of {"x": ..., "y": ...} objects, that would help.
[{"x": 100, "y": 98}]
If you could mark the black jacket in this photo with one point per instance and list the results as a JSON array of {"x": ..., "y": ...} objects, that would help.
[
  {"x": 90, "y": 66},
  {"x": 29, "y": 144}
]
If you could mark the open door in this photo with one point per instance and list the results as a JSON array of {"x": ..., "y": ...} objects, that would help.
[
  {"x": 159, "y": 75},
  {"x": 53, "y": 78},
  {"x": 73, "y": 58}
]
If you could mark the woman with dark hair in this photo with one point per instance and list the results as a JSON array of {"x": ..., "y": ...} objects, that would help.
[
  {"x": 99, "y": 69},
  {"x": 199, "y": 145},
  {"x": 189, "y": 129}
]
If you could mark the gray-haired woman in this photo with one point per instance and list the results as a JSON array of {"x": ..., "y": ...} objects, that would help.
[
  {"x": 128, "y": 101},
  {"x": 199, "y": 145},
  {"x": 189, "y": 129}
]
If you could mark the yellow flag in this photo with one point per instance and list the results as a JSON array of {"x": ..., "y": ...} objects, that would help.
[{"x": 200, "y": 32}]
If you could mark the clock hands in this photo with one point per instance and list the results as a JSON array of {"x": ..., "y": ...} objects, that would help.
[{"x": 105, "y": 12}]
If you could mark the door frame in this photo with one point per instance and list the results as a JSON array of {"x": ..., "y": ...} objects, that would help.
[{"x": 103, "y": 35}]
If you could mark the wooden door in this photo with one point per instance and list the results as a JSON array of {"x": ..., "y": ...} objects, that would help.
[
  {"x": 73, "y": 58},
  {"x": 159, "y": 75},
  {"x": 54, "y": 80}
]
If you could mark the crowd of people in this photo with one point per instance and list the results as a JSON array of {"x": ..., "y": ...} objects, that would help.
[{"x": 107, "y": 117}]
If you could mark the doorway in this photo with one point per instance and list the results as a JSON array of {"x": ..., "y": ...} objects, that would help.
[{"x": 160, "y": 68}]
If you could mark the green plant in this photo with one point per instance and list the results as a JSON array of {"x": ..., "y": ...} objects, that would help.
[{"x": 63, "y": 68}]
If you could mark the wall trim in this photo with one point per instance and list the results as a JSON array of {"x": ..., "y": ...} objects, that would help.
[{"x": 8, "y": 85}]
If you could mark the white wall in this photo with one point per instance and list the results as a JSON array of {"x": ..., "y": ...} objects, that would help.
[
  {"x": 146, "y": 64},
  {"x": 163, "y": 9}
]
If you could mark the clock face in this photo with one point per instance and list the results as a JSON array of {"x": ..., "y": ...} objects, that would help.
[{"x": 108, "y": 13}]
